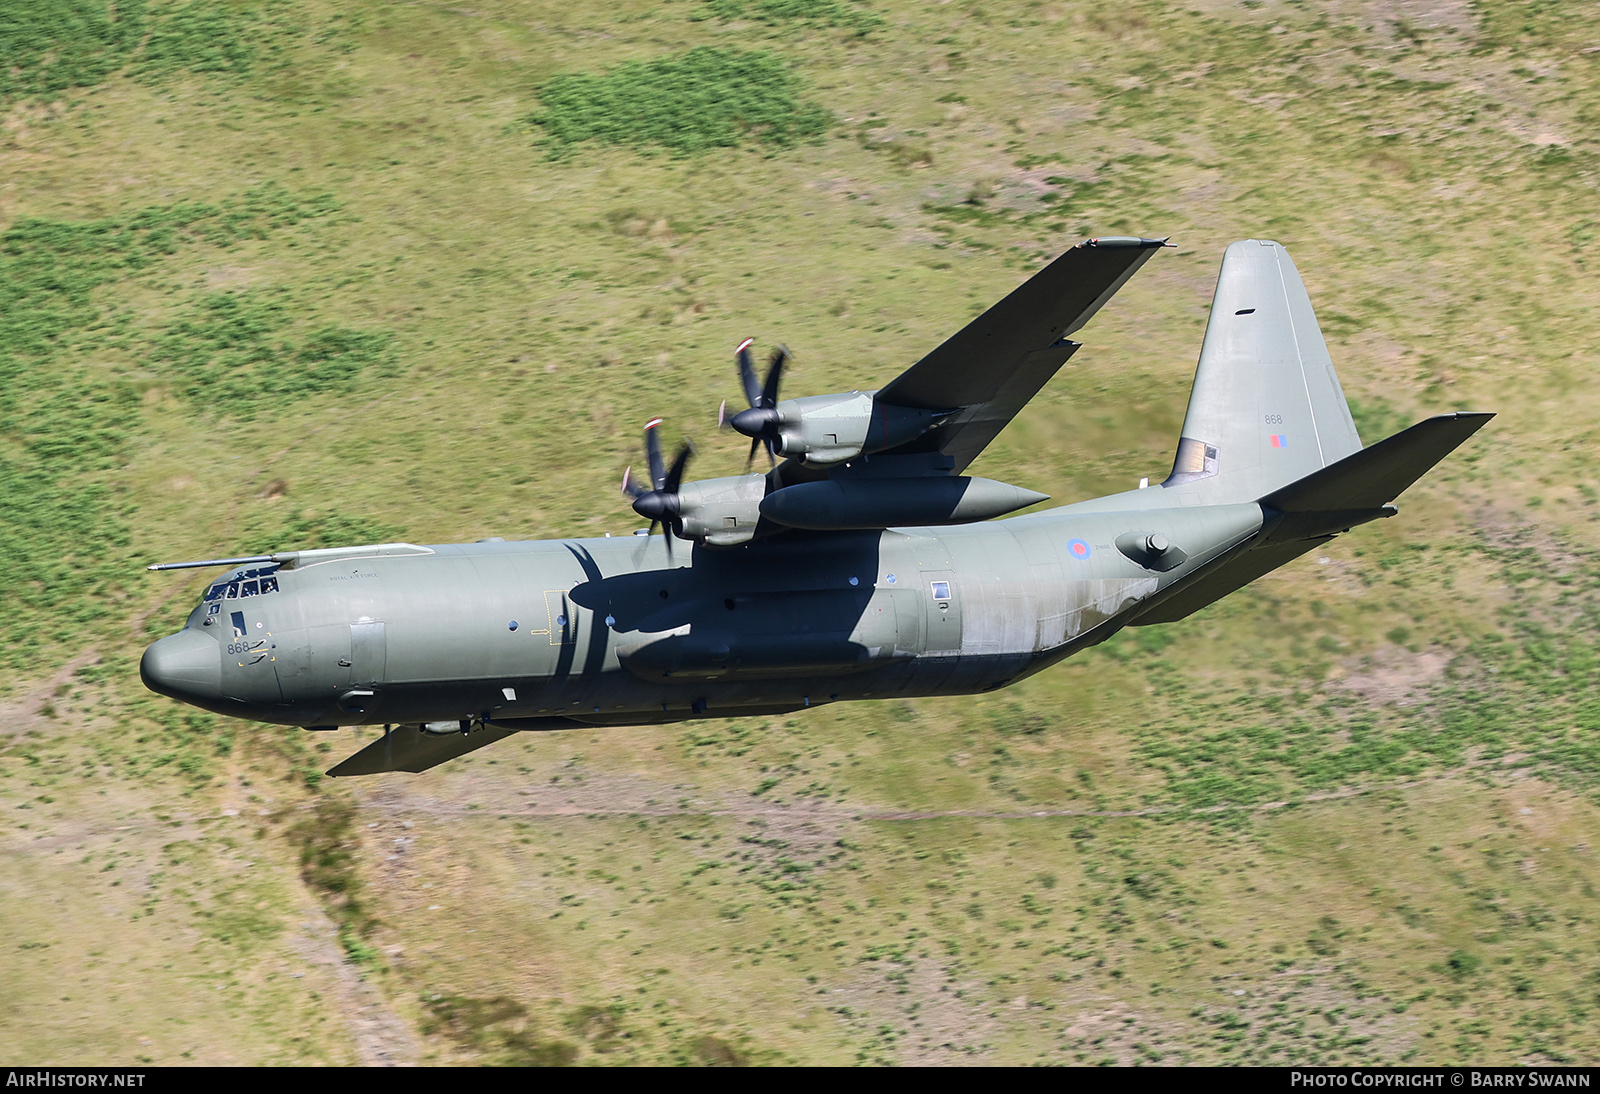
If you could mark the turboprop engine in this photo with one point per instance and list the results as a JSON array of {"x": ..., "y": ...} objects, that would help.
[
  {"x": 820, "y": 430},
  {"x": 826, "y": 430},
  {"x": 721, "y": 512}
]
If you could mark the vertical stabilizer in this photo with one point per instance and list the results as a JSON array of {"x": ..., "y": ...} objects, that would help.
[{"x": 1266, "y": 408}]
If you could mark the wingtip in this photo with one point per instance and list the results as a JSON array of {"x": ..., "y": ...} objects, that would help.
[{"x": 1104, "y": 242}]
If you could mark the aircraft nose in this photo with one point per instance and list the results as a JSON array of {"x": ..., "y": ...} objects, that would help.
[{"x": 182, "y": 665}]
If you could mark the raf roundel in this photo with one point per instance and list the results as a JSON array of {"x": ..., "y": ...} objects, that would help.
[{"x": 1080, "y": 550}]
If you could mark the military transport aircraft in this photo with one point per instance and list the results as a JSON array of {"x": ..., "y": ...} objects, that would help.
[{"x": 862, "y": 565}]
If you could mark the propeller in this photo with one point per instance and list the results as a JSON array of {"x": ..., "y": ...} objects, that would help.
[
  {"x": 659, "y": 500},
  {"x": 760, "y": 422}
]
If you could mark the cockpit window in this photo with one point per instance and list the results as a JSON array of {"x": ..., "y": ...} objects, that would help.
[{"x": 244, "y": 583}]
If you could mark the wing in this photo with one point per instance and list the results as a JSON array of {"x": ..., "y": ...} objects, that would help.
[
  {"x": 994, "y": 365},
  {"x": 407, "y": 748}
]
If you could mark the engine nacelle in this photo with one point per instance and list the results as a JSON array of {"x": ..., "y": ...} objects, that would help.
[
  {"x": 722, "y": 512},
  {"x": 826, "y": 430}
]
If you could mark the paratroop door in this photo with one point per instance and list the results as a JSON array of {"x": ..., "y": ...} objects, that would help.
[{"x": 941, "y": 601}]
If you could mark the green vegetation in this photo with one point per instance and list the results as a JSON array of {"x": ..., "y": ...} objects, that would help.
[
  {"x": 310, "y": 530},
  {"x": 63, "y": 529},
  {"x": 703, "y": 99},
  {"x": 825, "y": 13},
  {"x": 230, "y": 357},
  {"x": 1344, "y": 816},
  {"x": 52, "y": 46},
  {"x": 496, "y": 1028},
  {"x": 328, "y": 850}
]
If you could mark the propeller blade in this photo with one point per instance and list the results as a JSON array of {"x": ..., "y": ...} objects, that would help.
[
  {"x": 652, "y": 447},
  {"x": 747, "y": 373},
  {"x": 755, "y": 442},
  {"x": 659, "y": 502},
  {"x": 675, "y": 475},
  {"x": 722, "y": 415},
  {"x": 769, "y": 390},
  {"x": 630, "y": 488}
]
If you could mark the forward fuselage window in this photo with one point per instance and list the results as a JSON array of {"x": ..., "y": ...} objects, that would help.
[{"x": 248, "y": 583}]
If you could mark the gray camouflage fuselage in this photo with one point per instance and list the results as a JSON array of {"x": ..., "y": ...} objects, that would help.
[{"x": 604, "y": 630}]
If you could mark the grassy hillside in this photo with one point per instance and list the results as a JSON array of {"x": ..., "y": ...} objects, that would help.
[{"x": 290, "y": 274}]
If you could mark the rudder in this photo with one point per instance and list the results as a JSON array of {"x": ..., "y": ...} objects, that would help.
[{"x": 1266, "y": 408}]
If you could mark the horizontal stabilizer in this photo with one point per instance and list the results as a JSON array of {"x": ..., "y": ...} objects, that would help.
[
  {"x": 1374, "y": 477},
  {"x": 1314, "y": 509}
]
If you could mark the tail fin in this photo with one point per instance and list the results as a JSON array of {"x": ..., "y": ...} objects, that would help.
[{"x": 1266, "y": 408}]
